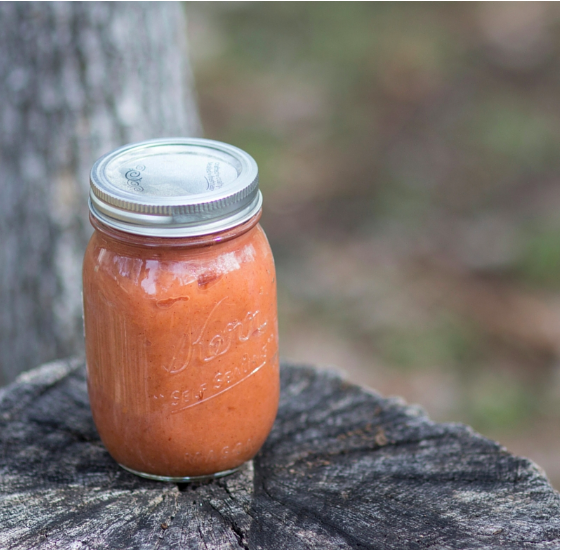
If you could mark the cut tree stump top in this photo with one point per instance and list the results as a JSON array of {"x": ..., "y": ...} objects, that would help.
[{"x": 342, "y": 468}]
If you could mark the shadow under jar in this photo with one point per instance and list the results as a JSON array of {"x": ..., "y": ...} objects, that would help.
[{"x": 180, "y": 309}]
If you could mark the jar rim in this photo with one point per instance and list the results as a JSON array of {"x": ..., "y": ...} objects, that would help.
[
  {"x": 191, "y": 241},
  {"x": 175, "y": 187}
]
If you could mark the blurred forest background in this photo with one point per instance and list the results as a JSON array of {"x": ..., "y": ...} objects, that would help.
[{"x": 409, "y": 160}]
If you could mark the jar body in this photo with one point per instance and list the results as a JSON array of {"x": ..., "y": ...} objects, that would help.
[{"x": 181, "y": 349}]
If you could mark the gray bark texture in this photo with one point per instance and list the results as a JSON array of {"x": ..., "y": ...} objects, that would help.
[
  {"x": 342, "y": 468},
  {"x": 77, "y": 79}
]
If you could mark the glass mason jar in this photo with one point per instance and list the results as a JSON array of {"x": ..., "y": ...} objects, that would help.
[{"x": 180, "y": 309}]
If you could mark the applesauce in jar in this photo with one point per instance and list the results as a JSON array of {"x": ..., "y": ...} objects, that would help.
[{"x": 180, "y": 309}]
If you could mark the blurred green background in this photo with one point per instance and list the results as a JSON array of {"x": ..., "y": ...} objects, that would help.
[{"x": 409, "y": 161}]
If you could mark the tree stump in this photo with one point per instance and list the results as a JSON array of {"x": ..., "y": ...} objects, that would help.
[{"x": 342, "y": 468}]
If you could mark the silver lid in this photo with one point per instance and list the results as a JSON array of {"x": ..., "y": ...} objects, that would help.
[{"x": 177, "y": 187}]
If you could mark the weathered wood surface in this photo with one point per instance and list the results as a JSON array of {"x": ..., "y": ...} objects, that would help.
[{"x": 343, "y": 468}]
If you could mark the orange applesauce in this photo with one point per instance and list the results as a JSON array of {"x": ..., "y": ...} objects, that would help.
[{"x": 181, "y": 331}]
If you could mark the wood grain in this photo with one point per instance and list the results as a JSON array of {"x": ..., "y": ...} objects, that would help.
[{"x": 342, "y": 468}]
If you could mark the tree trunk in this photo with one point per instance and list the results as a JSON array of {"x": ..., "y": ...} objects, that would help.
[{"x": 77, "y": 79}]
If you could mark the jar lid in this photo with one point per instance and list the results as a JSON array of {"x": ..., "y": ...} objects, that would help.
[{"x": 176, "y": 187}]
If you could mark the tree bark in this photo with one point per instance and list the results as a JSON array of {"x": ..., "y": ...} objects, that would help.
[
  {"x": 77, "y": 79},
  {"x": 343, "y": 468}
]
